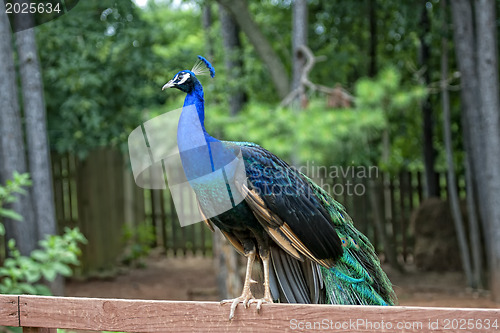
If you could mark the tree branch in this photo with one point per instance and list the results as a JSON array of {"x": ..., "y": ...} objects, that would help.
[
  {"x": 311, "y": 60},
  {"x": 240, "y": 12}
]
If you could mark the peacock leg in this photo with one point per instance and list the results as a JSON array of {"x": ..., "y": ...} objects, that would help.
[
  {"x": 246, "y": 295},
  {"x": 267, "y": 291}
]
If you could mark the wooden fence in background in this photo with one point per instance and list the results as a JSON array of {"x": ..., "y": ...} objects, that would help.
[
  {"x": 46, "y": 314},
  {"x": 89, "y": 194},
  {"x": 99, "y": 196}
]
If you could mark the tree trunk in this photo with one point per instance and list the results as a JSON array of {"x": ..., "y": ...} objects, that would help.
[
  {"x": 386, "y": 217},
  {"x": 36, "y": 135},
  {"x": 240, "y": 12},
  {"x": 464, "y": 44},
  {"x": 11, "y": 141},
  {"x": 431, "y": 179},
  {"x": 379, "y": 221},
  {"x": 226, "y": 261},
  {"x": 487, "y": 64},
  {"x": 233, "y": 60},
  {"x": 372, "y": 13},
  {"x": 36, "y": 132},
  {"x": 206, "y": 22},
  {"x": 474, "y": 230},
  {"x": 452, "y": 186},
  {"x": 299, "y": 37},
  {"x": 463, "y": 35}
]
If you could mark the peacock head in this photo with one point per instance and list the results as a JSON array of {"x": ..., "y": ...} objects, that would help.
[{"x": 186, "y": 80}]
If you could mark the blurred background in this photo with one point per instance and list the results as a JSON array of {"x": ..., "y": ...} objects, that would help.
[{"x": 391, "y": 106}]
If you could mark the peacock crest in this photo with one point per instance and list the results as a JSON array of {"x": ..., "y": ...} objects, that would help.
[{"x": 203, "y": 67}]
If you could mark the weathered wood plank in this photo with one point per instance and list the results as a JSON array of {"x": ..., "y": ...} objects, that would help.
[
  {"x": 9, "y": 310},
  {"x": 161, "y": 316}
]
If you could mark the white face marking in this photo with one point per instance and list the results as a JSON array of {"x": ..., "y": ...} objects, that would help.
[{"x": 184, "y": 78}]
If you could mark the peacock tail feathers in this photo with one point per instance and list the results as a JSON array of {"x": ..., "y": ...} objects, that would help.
[{"x": 357, "y": 277}]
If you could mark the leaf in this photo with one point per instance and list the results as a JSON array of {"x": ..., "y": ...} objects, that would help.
[
  {"x": 71, "y": 258},
  {"x": 42, "y": 290},
  {"x": 39, "y": 255},
  {"x": 9, "y": 263},
  {"x": 32, "y": 275},
  {"x": 62, "y": 269},
  {"x": 3, "y": 271},
  {"x": 49, "y": 273},
  {"x": 27, "y": 288},
  {"x": 10, "y": 214}
]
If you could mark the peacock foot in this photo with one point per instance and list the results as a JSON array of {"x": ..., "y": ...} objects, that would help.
[
  {"x": 246, "y": 298},
  {"x": 260, "y": 301}
]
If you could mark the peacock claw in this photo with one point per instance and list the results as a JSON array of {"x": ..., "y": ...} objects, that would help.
[
  {"x": 246, "y": 298},
  {"x": 260, "y": 301}
]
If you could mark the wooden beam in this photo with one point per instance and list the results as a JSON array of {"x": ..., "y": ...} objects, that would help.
[
  {"x": 160, "y": 316},
  {"x": 9, "y": 311}
]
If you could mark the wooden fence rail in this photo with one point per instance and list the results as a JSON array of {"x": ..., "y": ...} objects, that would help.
[{"x": 45, "y": 314}]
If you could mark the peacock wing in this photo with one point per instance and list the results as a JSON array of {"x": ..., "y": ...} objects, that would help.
[{"x": 287, "y": 208}]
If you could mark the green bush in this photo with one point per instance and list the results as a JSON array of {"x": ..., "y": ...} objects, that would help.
[
  {"x": 139, "y": 241},
  {"x": 24, "y": 274},
  {"x": 8, "y": 195}
]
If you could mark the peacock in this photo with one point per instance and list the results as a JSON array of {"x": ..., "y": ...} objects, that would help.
[{"x": 310, "y": 250}]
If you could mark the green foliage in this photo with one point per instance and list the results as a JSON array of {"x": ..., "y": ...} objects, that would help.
[
  {"x": 387, "y": 92},
  {"x": 400, "y": 106},
  {"x": 105, "y": 61},
  {"x": 325, "y": 136},
  {"x": 98, "y": 70},
  {"x": 178, "y": 36},
  {"x": 23, "y": 274},
  {"x": 335, "y": 136},
  {"x": 340, "y": 30},
  {"x": 8, "y": 195},
  {"x": 139, "y": 240}
]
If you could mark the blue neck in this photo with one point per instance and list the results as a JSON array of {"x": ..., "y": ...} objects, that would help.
[
  {"x": 197, "y": 160},
  {"x": 195, "y": 97},
  {"x": 204, "y": 158}
]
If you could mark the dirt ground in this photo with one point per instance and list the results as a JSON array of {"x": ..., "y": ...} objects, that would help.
[{"x": 193, "y": 278}]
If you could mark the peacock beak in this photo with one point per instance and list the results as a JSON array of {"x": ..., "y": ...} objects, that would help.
[{"x": 169, "y": 84}]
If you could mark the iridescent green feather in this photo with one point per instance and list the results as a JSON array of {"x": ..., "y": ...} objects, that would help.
[{"x": 357, "y": 277}]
